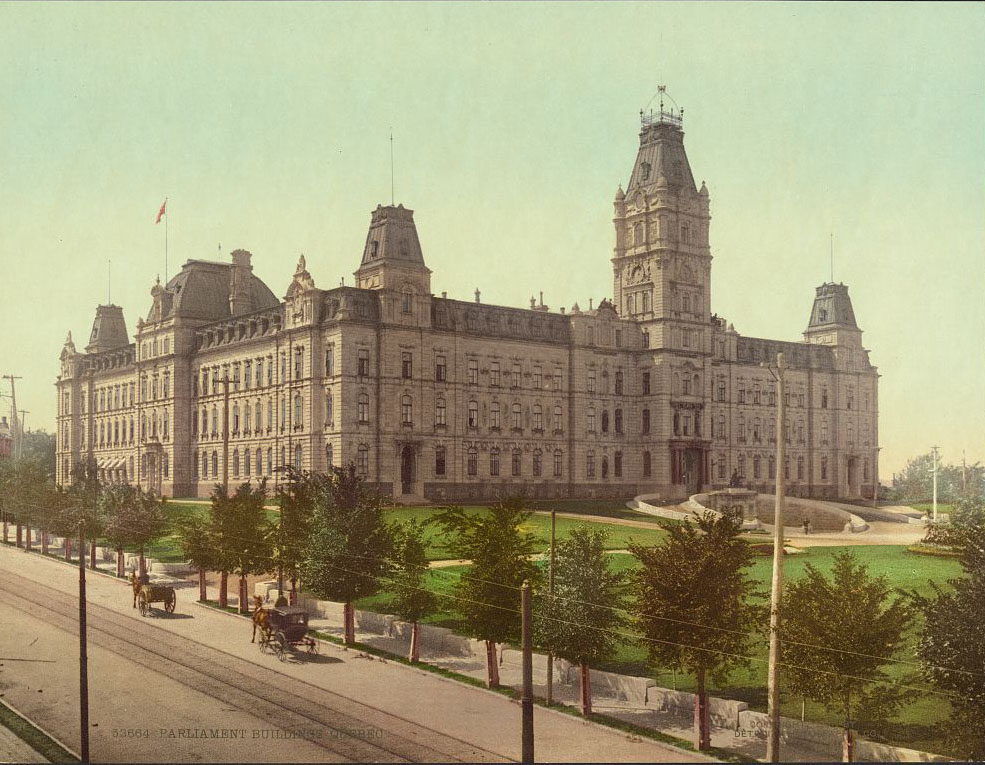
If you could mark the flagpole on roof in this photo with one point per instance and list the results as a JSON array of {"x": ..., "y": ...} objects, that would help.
[{"x": 166, "y": 216}]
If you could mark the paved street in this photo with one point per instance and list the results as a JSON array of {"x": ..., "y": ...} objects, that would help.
[{"x": 196, "y": 674}]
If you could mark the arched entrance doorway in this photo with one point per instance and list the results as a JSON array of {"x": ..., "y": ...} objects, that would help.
[{"x": 407, "y": 470}]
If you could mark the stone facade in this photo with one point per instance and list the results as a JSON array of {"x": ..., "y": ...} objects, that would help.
[{"x": 442, "y": 399}]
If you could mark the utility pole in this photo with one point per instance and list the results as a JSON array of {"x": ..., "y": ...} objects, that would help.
[
  {"x": 225, "y": 435},
  {"x": 23, "y": 422},
  {"x": 83, "y": 652},
  {"x": 527, "y": 701},
  {"x": 550, "y": 590},
  {"x": 776, "y": 591},
  {"x": 933, "y": 451},
  {"x": 14, "y": 426}
]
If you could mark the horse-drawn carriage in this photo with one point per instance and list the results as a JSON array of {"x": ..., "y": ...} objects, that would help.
[
  {"x": 284, "y": 629},
  {"x": 146, "y": 594}
]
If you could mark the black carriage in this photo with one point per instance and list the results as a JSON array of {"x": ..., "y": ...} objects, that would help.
[{"x": 287, "y": 630}]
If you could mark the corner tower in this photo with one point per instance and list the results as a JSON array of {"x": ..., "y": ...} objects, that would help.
[
  {"x": 662, "y": 262},
  {"x": 392, "y": 258}
]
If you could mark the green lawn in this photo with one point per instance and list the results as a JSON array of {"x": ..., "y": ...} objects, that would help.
[
  {"x": 538, "y": 525},
  {"x": 917, "y": 724}
]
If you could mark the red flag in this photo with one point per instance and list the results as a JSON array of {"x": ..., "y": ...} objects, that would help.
[{"x": 160, "y": 214}]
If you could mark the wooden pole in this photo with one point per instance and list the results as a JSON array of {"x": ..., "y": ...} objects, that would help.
[
  {"x": 527, "y": 702},
  {"x": 776, "y": 590},
  {"x": 83, "y": 651},
  {"x": 550, "y": 654}
]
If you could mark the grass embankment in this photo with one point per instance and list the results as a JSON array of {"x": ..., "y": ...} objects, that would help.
[
  {"x": 916, "y": 726},
  {"x": 928, "y": 508}
]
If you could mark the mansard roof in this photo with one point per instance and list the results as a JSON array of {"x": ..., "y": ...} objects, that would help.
[
  {"x": 392, "y": 237},
  {"x": 201, "y": 291},
  {"x": 661, "y": 161},
  {"x": 832, "y": 308}
]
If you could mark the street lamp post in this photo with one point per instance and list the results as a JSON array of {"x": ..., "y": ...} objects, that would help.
[{"x": 776, "y": 590}]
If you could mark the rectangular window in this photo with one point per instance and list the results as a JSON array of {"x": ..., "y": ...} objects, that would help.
[
  {"x": 591, "y": 380},
  {"x": 363, "y": 370},
  {"x": 494, "y": 463},
  {"x": 440, "y": 369},
  {"x": 473, "y": 372},
  {"x": 406, "y": 365},
  {"x": 473, "y": 464},
  {"x": 516, "y": 376},
  {"x": 247, "y": 374},
  {"x": 439, "y": 460},
  {"x": 538, "y": 378},
  {"x": 646, "y": 420},
  {"x": 515, "y": 463},
  {"x": 494, "y": 374},
  {"x": 537, "y": 463},
  {"x": 330, "y": 361},
  {"x": 556, "y": 380},
  {"x": 618, "y": 338},
  {"x": 558, "y": 464},
  {"x": 646, "y": 383}
]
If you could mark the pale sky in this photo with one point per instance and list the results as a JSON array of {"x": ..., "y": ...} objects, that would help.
[{"x": 267, "y": 127}]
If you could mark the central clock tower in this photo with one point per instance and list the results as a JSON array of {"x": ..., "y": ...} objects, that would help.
[{"x": 662, "y": 263}]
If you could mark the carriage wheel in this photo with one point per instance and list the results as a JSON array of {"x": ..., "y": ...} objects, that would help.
[
  {"x": 265, "y": 646},
  {"x": 144, "y": 605},
  {"x": 170, "y": 602},
  {"x": 280, "y": 646}
]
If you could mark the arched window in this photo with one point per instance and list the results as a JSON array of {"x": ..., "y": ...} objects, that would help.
[
  {"x": 618, "y": 420},
  {"x": 283, "y": 457},
  {"x": 473, "y": 462},
  {"x": 756, "y": 467},
  {"x": 164, "y": 465},
  {"x": 246, "y": 417},
  {"x": 259, "y": 416},
  {"x": 686, "y": 303},
  {"x": 298, "y": 410},
  {"x": 515, "y": 462},
  {"x": 646, "y": 464},
  {"x": 605, "y": 421},
  {"x": 329, "y": 413},
  {"x": 270, "y": 460},
  {"x": 205, "y": 422},
  {"x": 131, "y": 434},
  {"x": 619, "y": 383},
  {"x": 205, "y": 465},
  {"x": 329, "y": 457},
  {"x": 538, "y": 459},
  {"x": 407, "y": 410},
  {"x": 298, "y": 454},
  {"x": 473, "y": 414},
  {"x": 215, "y": 464},
  {"x": 638, "y": 234},
  {"x": 247, "y": 465},
  {"x": 772, "y": 466},
  {"x": 590, "y": 464},
  {"x": 215, "y": 421},
  {"x": 494, "y": 462},
  {"x": 605, "y": 467},
  {"x": 558, "y": 463},
  {"x": 235, "y": 461},
  {"x": 259, "y": 462}
]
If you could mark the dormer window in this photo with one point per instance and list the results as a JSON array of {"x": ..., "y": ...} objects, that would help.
[
  {"x": 822, "y": 315},
  {"x": 374, "y": 249},
  {"x": 645, "y": 170}
]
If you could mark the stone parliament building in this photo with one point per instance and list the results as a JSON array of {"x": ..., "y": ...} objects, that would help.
[{"x": 438, "y": 399}]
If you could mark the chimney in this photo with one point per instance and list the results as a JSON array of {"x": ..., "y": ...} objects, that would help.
[
  {"x": 477, "y": 293},
  {"x": 239, "y": 283},
  {"x": 444, "y": 295}
]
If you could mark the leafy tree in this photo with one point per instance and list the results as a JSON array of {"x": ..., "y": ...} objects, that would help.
[
  {"x": 134, "y": 518},
  {"x": 289, "y": 535},
  {"x": 963, "y": 522},
  {"x": 241, "y": 532},
  {"x": 349, "y": 542},
  {"x": 412, "y": 600},
  {"x": 26, "y": 491},
  {"x": 915, "y": 483},
  {"x": 692, "y": 603},
  {"x": 577, "y": 623},
  {"x": 40, "y": 445},
  {"x": 952, "y": 645},
  {"x": 837, "y": 635},
  {"x": 199, "y": 546},
  {"x": 489, "y": 596}
]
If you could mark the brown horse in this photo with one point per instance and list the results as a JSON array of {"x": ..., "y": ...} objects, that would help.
[
  {"x": 137, "y": 582},
  {"x": 260, "y": 618}
]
